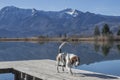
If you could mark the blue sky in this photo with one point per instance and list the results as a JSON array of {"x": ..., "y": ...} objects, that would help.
[{"x": 106, "y": 7}]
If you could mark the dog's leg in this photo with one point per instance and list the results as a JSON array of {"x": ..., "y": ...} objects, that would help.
[
  {"x": 62, "y": 68},
  {"x": 70, "y": 71},
  {"x": 68, "y": 66},
  {"x": 58, "y": 66},
  {"x": 63, "y": 64}
]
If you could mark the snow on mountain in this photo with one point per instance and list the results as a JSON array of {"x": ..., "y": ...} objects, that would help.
[
  {"x": 34, "y": 11},
  {"x": 73, "y": 13}
]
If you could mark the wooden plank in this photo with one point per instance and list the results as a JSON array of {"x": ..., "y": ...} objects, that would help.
[
  {"x": 7, "y": 70},
  {"x": 46, "y": 70}
]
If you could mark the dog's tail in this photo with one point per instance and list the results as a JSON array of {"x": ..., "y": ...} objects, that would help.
[{"x": 60, "y": 47}]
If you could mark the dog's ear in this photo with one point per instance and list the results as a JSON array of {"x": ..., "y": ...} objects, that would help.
[
  {"x": 73, "y": 60},
  {"x": 78, "y": 59}
]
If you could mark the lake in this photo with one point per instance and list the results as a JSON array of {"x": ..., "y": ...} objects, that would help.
[{"x": 102, "y": 57}]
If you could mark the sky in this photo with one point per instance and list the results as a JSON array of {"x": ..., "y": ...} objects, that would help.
[{"x": 105, "y": 7}]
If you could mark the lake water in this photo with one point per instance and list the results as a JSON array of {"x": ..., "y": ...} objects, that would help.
[
  {"x": 8, "y": 76},
  {"x": 102, "y": 57}
]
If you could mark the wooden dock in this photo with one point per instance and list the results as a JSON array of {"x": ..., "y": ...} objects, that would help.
[{"x": 46, "y": 70}]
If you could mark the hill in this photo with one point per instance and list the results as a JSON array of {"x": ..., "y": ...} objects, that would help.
[{"x": 17, "y": 22}]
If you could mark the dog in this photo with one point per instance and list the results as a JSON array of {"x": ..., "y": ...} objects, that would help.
[{"x": 67, "y": 60}]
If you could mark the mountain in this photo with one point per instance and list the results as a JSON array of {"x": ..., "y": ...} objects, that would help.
[{"x": 17, "y": 22}]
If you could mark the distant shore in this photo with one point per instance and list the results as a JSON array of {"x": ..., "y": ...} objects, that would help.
[{"x": 116, "y": 38}]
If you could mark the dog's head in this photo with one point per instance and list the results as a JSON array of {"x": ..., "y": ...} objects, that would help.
[{"x": 75, "y": 60}]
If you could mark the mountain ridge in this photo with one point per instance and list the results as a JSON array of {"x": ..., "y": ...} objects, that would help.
[{"x": 32, "y": 22}]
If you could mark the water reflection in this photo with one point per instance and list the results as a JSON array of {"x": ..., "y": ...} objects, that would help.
[
  {"x": 105, "y": 49},
  {"x": 118, "y": 47},
  {"x": 104, "y": 46},
  {"x": 89, "y": 52},
  {"x": 96, "y": 46}
]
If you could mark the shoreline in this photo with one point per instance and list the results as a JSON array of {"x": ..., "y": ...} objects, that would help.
[{"x": 117, "y": 38}]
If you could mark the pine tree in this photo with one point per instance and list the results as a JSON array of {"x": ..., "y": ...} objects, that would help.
[
  {"x": 105, "y": 30},
  {"x": 96, "y": 31},
  {"x": 118, "y": 33}
]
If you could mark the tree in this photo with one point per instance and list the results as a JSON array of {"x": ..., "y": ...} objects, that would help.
[
  {"x": 60, "y": 35},
  {"x": 65, "y": 35},
  {"x": 105, "y": 30},
  {"x": 118, "y": 33},
  {"x": 96, "y": 31}
]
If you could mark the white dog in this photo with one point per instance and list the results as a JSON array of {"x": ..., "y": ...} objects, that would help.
[{"x": 67, "y": 60}]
